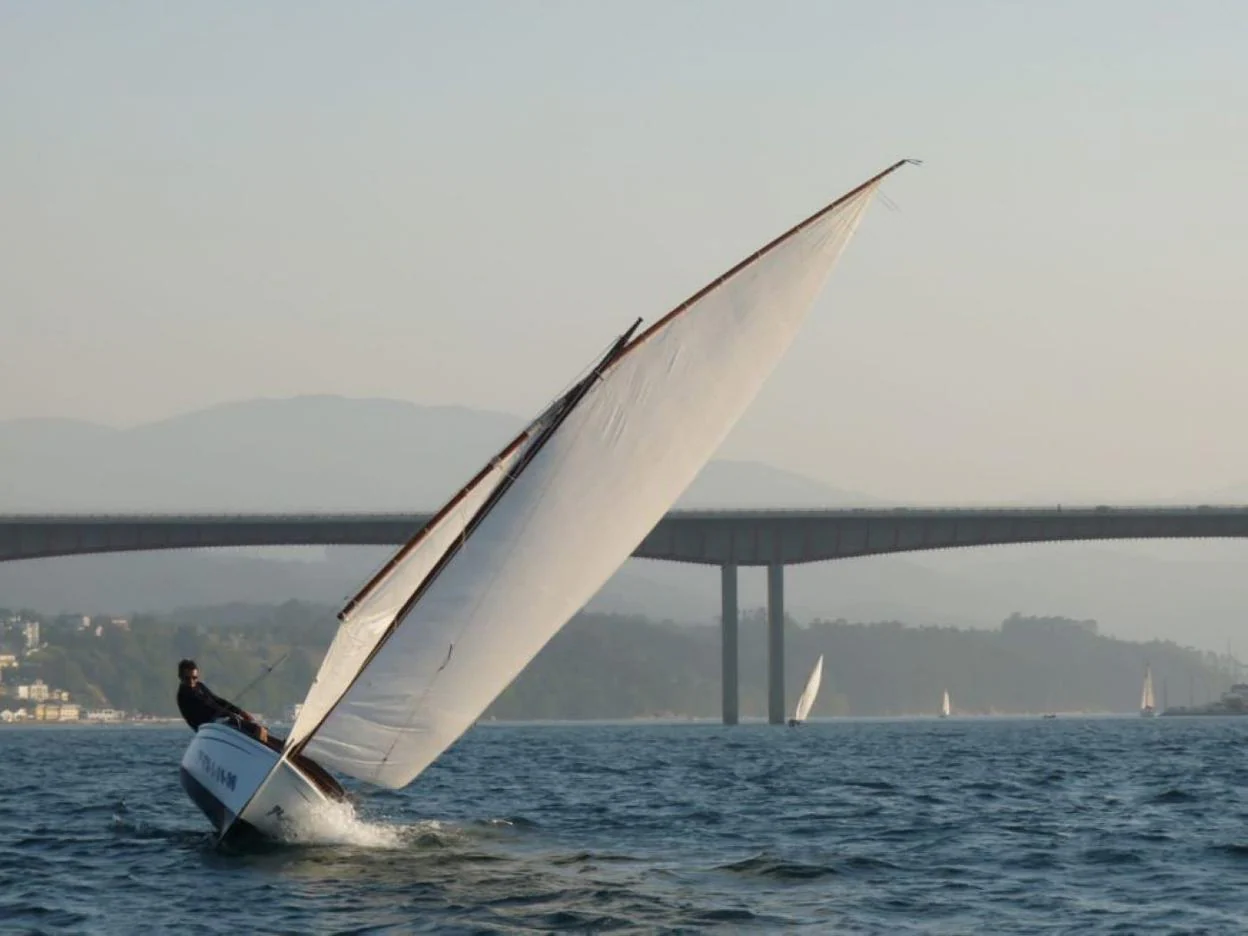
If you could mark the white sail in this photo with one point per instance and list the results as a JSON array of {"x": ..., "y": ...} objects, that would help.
[
  {"x": 373, "y": 610},
  {"x": 944, "y": 705},
  {"x": 806, "y": 701},
  {"x": 1146, "y": 696},
  {"x": 579, "y": 504}
]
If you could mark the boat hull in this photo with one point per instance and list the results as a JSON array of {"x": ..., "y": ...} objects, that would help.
[{"x": 224, "y": 772}]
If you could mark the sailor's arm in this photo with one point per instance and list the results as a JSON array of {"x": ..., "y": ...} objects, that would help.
[{"x": 226, "y": 706}]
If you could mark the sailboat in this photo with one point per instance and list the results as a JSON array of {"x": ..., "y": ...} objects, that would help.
[
  {"x": 944, "y": 705},
  {"x": 1147, "y": 708},
  {"x": 457, "y": 613},
  {"x": 806, "y": 701}
]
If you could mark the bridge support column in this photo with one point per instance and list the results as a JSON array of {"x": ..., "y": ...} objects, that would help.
[
  {"x": 728, "y": 631},
  {"x": 775, "y": 644}
]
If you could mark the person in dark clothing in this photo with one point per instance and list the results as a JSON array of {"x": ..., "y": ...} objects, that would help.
[{"x": 199, "y": 704}]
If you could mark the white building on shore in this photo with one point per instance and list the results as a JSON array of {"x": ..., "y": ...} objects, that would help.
[
  {"x": 57, "y": 711},
  {"x": 104, "y": 715}
]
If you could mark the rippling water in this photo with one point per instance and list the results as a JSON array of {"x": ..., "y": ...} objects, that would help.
[{"x": 958, "y": 826}]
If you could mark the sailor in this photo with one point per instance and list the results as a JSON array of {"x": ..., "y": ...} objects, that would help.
[{"x": 198, "y": 704}]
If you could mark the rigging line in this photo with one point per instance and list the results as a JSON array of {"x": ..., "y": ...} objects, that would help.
[
  {"x": 257, "y": 680},
  {"x": 580, "y": 375}
]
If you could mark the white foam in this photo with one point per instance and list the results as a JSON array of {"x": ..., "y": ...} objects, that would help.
[{"x": 336, "y": 823}]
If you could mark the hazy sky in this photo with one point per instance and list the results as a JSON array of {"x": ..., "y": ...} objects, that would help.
[{"x": 463, "y": 203}]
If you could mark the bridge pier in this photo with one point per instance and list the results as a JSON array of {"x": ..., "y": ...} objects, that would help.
[
  {"x": 775, "y": 644},
  {"x": 728, "y": 632}
]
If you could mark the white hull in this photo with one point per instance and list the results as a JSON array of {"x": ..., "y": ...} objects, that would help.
[{"x": 221, "y": 771}]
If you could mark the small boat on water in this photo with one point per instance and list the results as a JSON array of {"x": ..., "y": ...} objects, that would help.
[
  {"x": 944, "y": 705},
  {"x": 1147, "y": 708},
  {"x": 459, "y": 611},
  {"x": 806, "y": 701}
]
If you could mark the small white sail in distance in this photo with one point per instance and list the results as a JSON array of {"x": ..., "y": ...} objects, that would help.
[
  {"x": 944, "y": 705},
  {"x": 806, "y": 701},
  {"x": 1146, "y": 694},
  {"x": 566, "y": 505}
]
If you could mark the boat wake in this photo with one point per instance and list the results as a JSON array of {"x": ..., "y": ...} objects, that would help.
[{"x": 337, "y": 823}]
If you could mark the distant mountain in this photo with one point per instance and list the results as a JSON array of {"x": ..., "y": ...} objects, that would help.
[
  {"x": 305, "y": 453},
  {"x": 330, "y": 453},
  {"x": 743, "y": 484}
]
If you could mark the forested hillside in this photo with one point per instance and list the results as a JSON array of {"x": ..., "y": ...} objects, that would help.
[{"x": 609, "y": 666}]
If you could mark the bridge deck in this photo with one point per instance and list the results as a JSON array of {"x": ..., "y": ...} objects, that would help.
[{"x": 713, "y": 537}]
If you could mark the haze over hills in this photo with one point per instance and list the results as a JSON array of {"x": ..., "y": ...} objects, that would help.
[
  {"x": 332, "y": 453},
  {"x": 306, "y": 453}
]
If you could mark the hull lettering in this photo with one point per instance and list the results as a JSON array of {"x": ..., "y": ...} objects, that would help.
[{"x": 215, "y": 772}]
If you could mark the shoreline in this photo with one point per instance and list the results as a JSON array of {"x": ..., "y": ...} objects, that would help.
[{"x": 692, "y": 720}]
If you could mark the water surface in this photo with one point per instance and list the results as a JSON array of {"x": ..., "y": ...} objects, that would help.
[{"x": 957, "y": 826}]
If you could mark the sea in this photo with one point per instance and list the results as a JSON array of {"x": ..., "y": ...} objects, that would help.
[{"x": 965, "y": 825}]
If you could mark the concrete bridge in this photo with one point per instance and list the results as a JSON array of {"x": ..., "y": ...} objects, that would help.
[{"x": 726, "y": 538}]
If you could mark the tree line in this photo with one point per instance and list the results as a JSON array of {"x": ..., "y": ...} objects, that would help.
[{"x": 618, "y": 666}]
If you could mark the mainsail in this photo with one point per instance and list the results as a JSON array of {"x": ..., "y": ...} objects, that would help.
[
  {"x": 806, "y": 700},
  {"x": 456, "y": 618},
  {"x": 1146, "y": 695},
  {"x": 944, "y": 705}
]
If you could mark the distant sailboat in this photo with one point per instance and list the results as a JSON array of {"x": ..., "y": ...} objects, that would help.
[
  {"x": 807, "y": 699},
  {"x": 1147, "y": 708},
  {"x": 944, "y": 705},
  {"x": 460, "y": 610}
]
